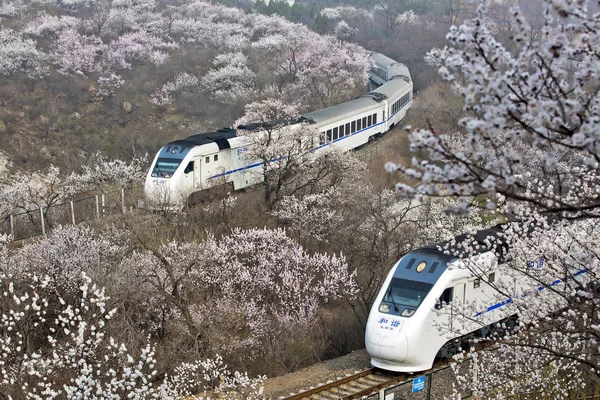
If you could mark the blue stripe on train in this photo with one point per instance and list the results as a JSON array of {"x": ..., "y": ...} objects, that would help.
[{"x": 539, "y": 289}]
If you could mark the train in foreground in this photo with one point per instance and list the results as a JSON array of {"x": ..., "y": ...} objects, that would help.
[
  {"x": 184, "y": 167},
  {"x": 427, "y": 289}
]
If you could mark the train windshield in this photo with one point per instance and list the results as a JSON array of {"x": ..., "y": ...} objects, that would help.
[
  {"x": 165, "y": 167},
  {"x": 404, "y": 296}
]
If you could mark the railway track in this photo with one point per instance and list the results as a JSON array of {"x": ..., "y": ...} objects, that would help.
[
  {"x": 351, "y": 387},
  {"x": 370, "y": 381}
]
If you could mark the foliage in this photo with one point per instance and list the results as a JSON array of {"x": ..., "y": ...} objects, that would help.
[
  {"x": 107, "y": 39},
  {"x": 20, "y": 54},
  {"x": 26, "y": 192},
  {"x": 286, "y": 146},
  {"x": 240, "y": 295},
  {"x": 55, "y": 347},
  {"x": 531, "y": 150}
]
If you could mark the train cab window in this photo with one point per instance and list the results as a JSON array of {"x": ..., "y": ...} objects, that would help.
[
  {"x": 369, "y": 121},
  {"x": 329, "y": 136},
  {"x": 189, "y": 168},
  {"x": 364, "y": 122},
  {"x": 404, "y": 296},
  {"x": 216, "y": 158},
  {"x": 492, "y": 277},
  {"x": 335, "y": 133},
  {"x": 347, "y": 129},
  {"x": 165, "y": 167},
  {"x": 353, "y": 129},
  {"x": 445, "y": 298},
  {"x": 374, "y": 119}
]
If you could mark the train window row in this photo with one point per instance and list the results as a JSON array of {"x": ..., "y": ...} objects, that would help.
[
  {"x": 190, "y": 167},
  {"x": 400, "y": 103},
  {"x": 215, "y": 158},
  {"x": 351, "y": 127}
]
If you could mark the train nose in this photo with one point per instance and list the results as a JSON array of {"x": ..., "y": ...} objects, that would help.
[
  {"x": 158, "y": 192},
  {"x": 387, "y": 344}
]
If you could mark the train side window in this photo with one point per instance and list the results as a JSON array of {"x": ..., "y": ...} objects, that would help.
[
  {"x": 476, "y": 283},
  {"x": 207, "y": 160},
  {"x": 374, "y": 119},
  {"x": 358, "y": 125},
  {"x": 341, "y": 130},
  {"x": 364, "y": 122},
  {"x": 216, "y": 158},
  {"x": 353, "y": 127},
  {"x": 492, "y": 277},
  {"x": 369, "y": 121},
  {"x": 329, "y": 137},
  {"x": 189, "y": 168},
  {"x": 445, "y": 298},
  {"x": 348, "y": 128}
]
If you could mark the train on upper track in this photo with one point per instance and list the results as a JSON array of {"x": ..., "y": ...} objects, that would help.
[
  {"x": 433, "y": 303},
  {"x": 184, "y": 167}
]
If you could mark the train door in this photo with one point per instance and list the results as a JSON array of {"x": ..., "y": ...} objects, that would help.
[
  {"x": 444, "y": 300},
  {"x": 459, "y": 293},
  {"x": 197, "y": 172},
  {"x": 384, "y": 127},
  {"x": 459, "y": 298}
]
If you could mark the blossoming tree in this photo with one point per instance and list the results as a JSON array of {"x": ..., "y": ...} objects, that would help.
[{"x": 530, "y": 151}]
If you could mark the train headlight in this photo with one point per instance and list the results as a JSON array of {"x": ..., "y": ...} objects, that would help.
[
  {"x": 407, "y": 312},
  {"x": 168, "y": 175},
  {"x": 384, "y": 308}
]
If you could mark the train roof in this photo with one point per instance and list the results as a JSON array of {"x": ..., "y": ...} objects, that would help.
[
  {"x": 391, "y": 88},
  {"x": 382, "y": 60},
  {"x": 393, "y": 67},
  {"x": 253, "y": 126},
  {"x": 341, "y": 111},
  {"x": 219, "y": 137},
  {"x": 399, "y": 71},
  {"x": 432, "y": 261}
]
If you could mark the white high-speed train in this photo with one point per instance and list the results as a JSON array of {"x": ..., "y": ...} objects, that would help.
[
  {"x": 186, "y": 166},
  {"x": 427, "y": 289}
]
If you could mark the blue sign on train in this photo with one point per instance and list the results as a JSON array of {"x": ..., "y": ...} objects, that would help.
[{"x": 418, "y": 384}]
